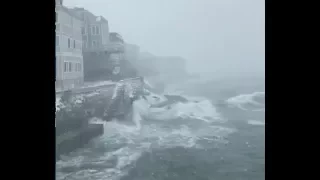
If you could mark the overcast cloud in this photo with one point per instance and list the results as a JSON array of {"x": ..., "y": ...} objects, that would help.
[{"x": 213, "y": 35}]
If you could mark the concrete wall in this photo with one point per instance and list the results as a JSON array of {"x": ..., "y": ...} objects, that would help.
[{"x": 105, "y": 33}]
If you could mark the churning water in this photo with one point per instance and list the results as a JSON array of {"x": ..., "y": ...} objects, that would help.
[{"x": 211, "y": 136}]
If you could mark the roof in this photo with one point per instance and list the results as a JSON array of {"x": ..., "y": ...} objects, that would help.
[
  {"x": 102, "y": 19},
  {"x": 90, "y": 15},
  {"x": 69, "y": 11}
]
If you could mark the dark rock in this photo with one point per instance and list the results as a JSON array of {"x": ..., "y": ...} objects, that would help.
[{"x": 72, "y": 140}]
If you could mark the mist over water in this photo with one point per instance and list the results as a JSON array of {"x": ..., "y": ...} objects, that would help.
[
  {"x": 198, "y": 139},
  {"x": 218, "y": 133}
]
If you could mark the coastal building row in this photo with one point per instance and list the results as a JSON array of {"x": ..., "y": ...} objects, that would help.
[
  {"x": 85, "y": 49},
  {"x": 69, "y": 59}
]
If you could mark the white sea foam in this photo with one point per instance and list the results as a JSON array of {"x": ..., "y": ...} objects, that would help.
[
  {"x": 242, "y": 100},
  {"x": 201, "y": 110},
  {"x": 153, "y": 98},
  {"x": 137, "y": 110},
  {"x": 147, "y": 83},
  {"x": 256, "y": 123},
  {"x": 78, "y": 99},
  {"x": 59, "y": 104},
  {"x": 97, "y": 84},
  {"x": 134, "y": 143}
]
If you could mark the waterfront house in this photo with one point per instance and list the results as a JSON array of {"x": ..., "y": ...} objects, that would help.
[
  {"x": 69, "y": 59},
  {"x": 101, "y": 50}
]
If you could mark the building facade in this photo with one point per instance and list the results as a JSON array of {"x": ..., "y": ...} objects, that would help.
[
  {"x": 95, "y": 31},
  {"x": 97, "y": 47},
  {"x": 116, "y": 48},
  {"x": 69, "y": 59}
]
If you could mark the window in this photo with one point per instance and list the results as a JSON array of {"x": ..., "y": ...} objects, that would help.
[
  {"x": 78, "y": 67},
  {"x": 57, "y": 40},
  {"x": 65, "y": 67},
  {"x": 69, "y": 43},
  {"x": 93, "y": 30},
  {"x": 70, "y": 66},
  {"x": 93, "y": 43},
  {"x": 83, "y": 30},
  {"x": 97, "y": 30},
  {"x": 74, "y": 43},
  {"x": 84, "y": 44}
]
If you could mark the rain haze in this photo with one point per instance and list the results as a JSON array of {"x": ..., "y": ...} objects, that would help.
[
  {"x": 226, "y": 36},
  {"x": 160, "y": 89}
]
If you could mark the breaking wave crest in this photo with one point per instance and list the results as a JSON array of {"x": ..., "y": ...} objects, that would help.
[{"x": 254, "y": 101}]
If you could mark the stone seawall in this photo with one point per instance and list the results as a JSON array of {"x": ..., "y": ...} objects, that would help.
[{"x": 75, "y": 108}]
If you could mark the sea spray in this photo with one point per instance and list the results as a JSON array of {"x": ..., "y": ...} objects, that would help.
[
  {"x": 140, "y": 109},
  {"x": 136, "y": 118},
  {"x": 245, "y": 101}
]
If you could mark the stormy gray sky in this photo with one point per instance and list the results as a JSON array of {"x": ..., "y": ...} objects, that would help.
[{"x": 213, "y": 35}]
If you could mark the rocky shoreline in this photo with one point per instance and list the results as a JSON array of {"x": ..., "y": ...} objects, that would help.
[{"x": 74, "y": 111}]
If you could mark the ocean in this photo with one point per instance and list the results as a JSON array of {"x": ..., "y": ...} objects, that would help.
[{"x": 219, "y": 134}]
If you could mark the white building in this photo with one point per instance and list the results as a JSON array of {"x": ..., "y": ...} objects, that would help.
[{"x": 69, "y": 59}]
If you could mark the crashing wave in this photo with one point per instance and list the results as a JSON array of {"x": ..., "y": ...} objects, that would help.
[
  {"x": 169, "y": 107},
  {"x": 242, "y": 101}
]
